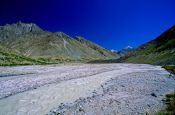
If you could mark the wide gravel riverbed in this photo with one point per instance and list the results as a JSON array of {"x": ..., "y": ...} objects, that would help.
[{"x": 89, "y": 89}]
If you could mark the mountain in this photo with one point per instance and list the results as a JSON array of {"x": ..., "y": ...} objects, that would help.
[
  {"x": 115, "y": 51},
  {"x": 30, "y": 40},
  {"x": 159, "y": 51},
  {"x": 125, "y": 51},
  {"x": 101, "y": 50}
]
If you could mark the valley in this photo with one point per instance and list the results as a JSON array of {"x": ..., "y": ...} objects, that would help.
[
  {"x": 51, "y": 73},
  {"x": 87, "y": 57}
]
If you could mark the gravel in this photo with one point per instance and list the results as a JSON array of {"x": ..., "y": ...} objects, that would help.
[
  {"x": 84, "y": 89},
  {"x": 42, "y": 75},
  {"x": 130, "y": 94}
]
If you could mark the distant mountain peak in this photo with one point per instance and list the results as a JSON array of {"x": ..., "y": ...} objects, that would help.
[
  {"x": 114, "y": 51},
  {"x": 126, "y": 50},
  {"x": 128, "y": 47}
]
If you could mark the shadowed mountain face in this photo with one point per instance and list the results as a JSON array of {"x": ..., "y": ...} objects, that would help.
[
  {"x": 159, "y": 51},
  {"x": 30, "y": 40},
  {"x": 101, "y": 50}
]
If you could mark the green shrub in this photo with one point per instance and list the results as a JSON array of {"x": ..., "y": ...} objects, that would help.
[
  {"x": 170, "y": 68},
  {"x": 170, "y": 105}
]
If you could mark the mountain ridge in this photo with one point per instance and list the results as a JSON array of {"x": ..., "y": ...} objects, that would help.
[
  {"x": 160, "y": 51},
  {"x": 30, "y": 40}
]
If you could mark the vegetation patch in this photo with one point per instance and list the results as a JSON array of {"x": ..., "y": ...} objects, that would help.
[
  {"x": 156, "y": 58},
  {"x": 170, "y": 105},
  {"x": 170, "y": 68},
  {"x": 170, "y": 98},
  {"x": 13, "y": 59}
]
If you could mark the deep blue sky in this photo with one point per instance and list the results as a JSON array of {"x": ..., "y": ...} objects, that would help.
[{"x": 114, "y": 24}]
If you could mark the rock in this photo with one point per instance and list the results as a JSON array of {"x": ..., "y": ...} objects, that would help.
[
  {"x": 81, "y": 109},
  {"x": 153, "y": 94}
]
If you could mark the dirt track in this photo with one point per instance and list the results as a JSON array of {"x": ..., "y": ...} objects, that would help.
[{"x": 44, "y": 88}]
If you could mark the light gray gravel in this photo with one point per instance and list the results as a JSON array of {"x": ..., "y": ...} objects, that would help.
[
  {"x": 17, "y": 79},
  {"x": 80, "y": 89},
  {"x": 137, "y": 93}
]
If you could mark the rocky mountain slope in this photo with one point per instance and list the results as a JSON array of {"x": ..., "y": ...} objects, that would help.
[
  {"x": 31, "y": 41},
  {"x": 101, "y": 50},
  {"x": 158, "y": 51}
]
